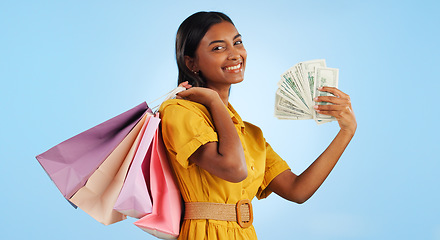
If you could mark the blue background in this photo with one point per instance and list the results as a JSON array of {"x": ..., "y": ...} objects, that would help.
[{"x": 66, "y": 66}]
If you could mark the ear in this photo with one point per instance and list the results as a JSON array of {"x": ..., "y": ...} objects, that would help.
[{"x": 191, "y": 64}]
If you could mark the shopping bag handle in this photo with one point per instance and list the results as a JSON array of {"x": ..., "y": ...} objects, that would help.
[{"x": 169, "y": 95}]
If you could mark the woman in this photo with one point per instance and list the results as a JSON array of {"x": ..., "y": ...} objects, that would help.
[{"x": 219, "y": 160}]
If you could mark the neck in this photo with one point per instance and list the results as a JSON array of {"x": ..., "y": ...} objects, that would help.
[{"x": 223, "y": 92}]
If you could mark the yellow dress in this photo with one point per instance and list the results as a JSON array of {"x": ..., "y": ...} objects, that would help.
[{"x": 188, "y": 125}]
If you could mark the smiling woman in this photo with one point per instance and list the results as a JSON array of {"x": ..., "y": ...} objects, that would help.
[
  {"x": 220, "y": 57},
  {"x": 221, "y": 162},
  {"x": 191, "y": 34}
]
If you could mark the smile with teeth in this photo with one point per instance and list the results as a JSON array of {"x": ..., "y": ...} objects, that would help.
[{"x": 232, "y": 68}]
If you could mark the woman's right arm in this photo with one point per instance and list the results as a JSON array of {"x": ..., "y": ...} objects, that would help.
[{"x": 225, "y": 158}]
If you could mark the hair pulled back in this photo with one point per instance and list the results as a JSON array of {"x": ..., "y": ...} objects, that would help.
[{"x": 188, "y": 37}]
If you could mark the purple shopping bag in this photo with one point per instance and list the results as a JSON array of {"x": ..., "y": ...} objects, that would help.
[{"x": 70, "y": 163}]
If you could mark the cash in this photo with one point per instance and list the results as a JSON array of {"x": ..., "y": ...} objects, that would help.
[{"x": 298, "y": 87}]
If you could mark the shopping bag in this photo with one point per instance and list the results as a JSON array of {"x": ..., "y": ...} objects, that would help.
[
  {"x": 164, "y": 220},
  {"x": 134, "y": 199},
  {"x": 90, "y": 168},
  {"x": 70, "y": 163},
  {"x": 98, "y": 197}
]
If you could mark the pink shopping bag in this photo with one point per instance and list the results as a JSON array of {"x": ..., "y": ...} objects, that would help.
[{"x": 164, "y": 220}]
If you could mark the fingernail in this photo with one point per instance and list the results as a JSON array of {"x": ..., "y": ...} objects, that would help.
[
  {"x": 315, "y": 99},
  {"x": 315, "y": 107}
]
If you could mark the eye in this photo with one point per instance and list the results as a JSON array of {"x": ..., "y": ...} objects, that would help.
[
  {"x": 218, "y": 48},
  {"x": 238, "y": 42}
]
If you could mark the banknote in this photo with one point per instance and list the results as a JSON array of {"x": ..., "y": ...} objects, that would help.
[
  {"x": 297, "y": 88},
  {"x": 288, "y": 104},
  {"x": 291, "y": 83},
  {"x": 284, "y": 92},
  {"x": 309, "y": 71},
  {"x": 285, "y": 110},
  {"x": 325, "y": 77}
]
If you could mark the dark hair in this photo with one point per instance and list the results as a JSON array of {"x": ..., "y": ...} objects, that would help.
[{"x": 188, "y": 37}]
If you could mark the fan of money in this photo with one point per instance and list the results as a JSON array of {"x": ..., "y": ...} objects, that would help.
[{"x": 298, "y": 87}]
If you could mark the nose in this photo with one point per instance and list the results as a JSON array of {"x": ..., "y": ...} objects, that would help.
[{"x": 234, "y": 54}]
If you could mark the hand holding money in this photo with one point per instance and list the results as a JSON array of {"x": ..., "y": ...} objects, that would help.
[
  {"x": 339, "y": 108},
  {"x": 308, "y": 90},
  {"x": 298, "y": 87}
]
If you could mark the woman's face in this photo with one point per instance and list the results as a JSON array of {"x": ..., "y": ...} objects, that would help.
[{"x": 221, "y": 56}]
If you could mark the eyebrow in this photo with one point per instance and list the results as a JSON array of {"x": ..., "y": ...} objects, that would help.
[{"x": 221, "y": 41}]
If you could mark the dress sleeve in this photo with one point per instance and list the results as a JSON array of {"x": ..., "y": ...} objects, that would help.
[
  {"x": 274, "y": 166},
  {"x": 186, "y": 127}
]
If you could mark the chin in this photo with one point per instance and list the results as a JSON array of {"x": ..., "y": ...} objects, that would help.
[{"x": 237, "y": 81}]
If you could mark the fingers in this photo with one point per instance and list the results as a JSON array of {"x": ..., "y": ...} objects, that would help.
[
  {"x": 331, "y": 99},
  {"x": 338, "y": 93},
  {"x": 340, "y": 102},
  {"x": 339, "y": 98},
  {"x": 185, "y": 85},
  {"x": 336, "y": 111},
  {"x": 182, "y": 95},
  {"x": 340, "y": 108},
  {"x": 204, "y": 96},
  {"x": 185, "y": 93},
  {"x": 192, "y": 91},
  {"x": 331, "y": 108}
]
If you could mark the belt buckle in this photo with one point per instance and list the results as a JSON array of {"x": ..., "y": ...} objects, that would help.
[{"x": 240, "y": 221}]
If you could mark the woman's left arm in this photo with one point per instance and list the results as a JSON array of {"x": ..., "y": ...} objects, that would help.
[{"x": 302, "y": 187}]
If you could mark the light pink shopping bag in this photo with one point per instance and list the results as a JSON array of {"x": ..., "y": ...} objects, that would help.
[{"x": 134, "y": 199}]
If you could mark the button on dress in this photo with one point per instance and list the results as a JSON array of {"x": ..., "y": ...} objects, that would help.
[{"x": 186, "y": 126}]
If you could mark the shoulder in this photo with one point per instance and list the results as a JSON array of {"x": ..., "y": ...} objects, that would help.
[
  {"x": 182, "y": 121},
  {"x": 252, "y": 129},
  {"x": 181, "y": 106}
]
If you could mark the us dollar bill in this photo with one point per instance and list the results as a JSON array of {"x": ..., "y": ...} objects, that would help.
[
  {"x": 289, "y": 81},
  {"x": 286, "y": 110},
  {"x": 325, "y": 77},
  {"x": 286, "y": 104},
  {"x": 309, "y": 73}
]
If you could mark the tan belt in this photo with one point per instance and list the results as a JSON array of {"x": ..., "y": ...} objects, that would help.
[{"x": 240, "y": 212}]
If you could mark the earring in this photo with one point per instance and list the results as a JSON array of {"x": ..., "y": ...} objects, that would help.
[{"x": 196, "y": 73}]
